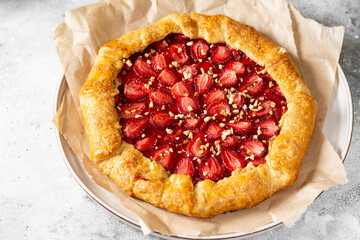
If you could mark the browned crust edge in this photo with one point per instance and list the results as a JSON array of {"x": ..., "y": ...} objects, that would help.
[{"x": 246, "y": 187}]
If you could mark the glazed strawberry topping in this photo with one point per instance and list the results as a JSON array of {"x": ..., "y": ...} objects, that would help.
[{"x": 199, "y": 109}]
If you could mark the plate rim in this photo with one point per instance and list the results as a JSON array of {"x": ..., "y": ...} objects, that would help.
[{"x": 129, "y": 222}]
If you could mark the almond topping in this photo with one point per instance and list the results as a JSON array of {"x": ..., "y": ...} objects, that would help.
[
  {"x": 186, "y": 132},
  {"x": 191, "y": 135},
  {"x": 128, "y": 62},
  {"x": 175, "y": 63},
  {"x": 207, "y": 119},
  {"x": 187, "y": 75}
]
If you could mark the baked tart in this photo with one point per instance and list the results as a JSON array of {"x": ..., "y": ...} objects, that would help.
[{"x": 197, "y": 114}]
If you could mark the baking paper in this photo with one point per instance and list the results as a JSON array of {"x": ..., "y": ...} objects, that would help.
[{"x": 87, "y": 28}]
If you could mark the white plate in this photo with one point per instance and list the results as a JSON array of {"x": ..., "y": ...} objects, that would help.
[{"x": 337, "y": 128}]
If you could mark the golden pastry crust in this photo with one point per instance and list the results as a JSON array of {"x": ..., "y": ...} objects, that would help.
[{"x": 147, "y": 180}]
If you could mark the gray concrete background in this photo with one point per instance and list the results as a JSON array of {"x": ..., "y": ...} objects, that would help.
[{"x": 39, "y": 199}]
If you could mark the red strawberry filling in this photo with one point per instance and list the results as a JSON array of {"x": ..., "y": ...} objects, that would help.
[{"x": 199, "y": 109}]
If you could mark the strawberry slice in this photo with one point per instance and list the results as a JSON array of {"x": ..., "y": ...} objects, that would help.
[
  {"x": 177, "y": 136},
  {"x": 267, "y": 76},
  {"x": 214, "y": 96},
  {"x": 237, "y": 54},
  {"x": 160, "y": 97},
  {"x": 267, "y": 127},
  {"x": 199, "y": 50},
  {"x": 130, "y": 110},
  {"x": 279, "y": 111},
  {"x": 133, "y": 76},
  {"x": 134, "y": 129},
  {"x": 227, "y": 78},
  {"x": 236, "y": 66},
  {"x": 256, "y": 68},
  {"x": 182, "y": 89},
  {"x": 257, "y": 161},
  {"x": 179, "y": 37},
  {"x": 169, "y": 77},
  {"x": 220, "y": 109},
  {"x": 203, "y": 125},
  {"x": 252, "y": 85},
  {"x": 239, "y": 127},
  {"x": 178, "y": 53},
  {"x": 188, "y": 105},
  {"x": 214, "y": 131},
  {"x": 238, "y": 100},
  {"x": 185, "y": 166},
  {"x": 220, "y": 54},
  {"x": 276, "y": 90},
  {"x": 142, "y": 68},
  {"x": 247, "y": 61},
  {"x": 251, "y": 146},
  {"x": 118, "y": 98},
  {"x": 206, "y": 65},
  {"x": 273, "y": 97},
  {"x": 232, "y": 160},
  {"x": 165, "y": 156},
  {"x": 192, "y": 123},
  {"x": 211, "y": 169},
  {"x": 146, "y": 144},
  {"x": 188, "y": 71},
  {"x": 197, "y": 146},
  {"x": 203, "y": 83},
  {"x": 230, "y": 141},
  {"x": 263, "y": 110},
  {"x": 160, "y": 45},
  {"x": 161, "y": 119},
  {"x": 134, "y": 90},
  {"x": 160, "y": 62}
]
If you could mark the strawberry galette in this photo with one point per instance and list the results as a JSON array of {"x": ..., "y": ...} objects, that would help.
[{"x": 197, "y": 114}]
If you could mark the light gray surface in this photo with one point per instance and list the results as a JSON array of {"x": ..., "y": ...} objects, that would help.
[{"x": 39, "y": 199}]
